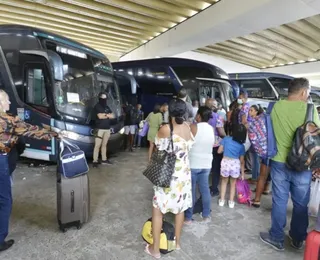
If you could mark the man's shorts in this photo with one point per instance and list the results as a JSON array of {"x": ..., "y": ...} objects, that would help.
[{"x": 130, "y": 129}]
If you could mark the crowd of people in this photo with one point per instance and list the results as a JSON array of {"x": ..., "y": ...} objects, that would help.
[
  {"x": 206, "y": 140},
  {"x": 209, "y": 144}
]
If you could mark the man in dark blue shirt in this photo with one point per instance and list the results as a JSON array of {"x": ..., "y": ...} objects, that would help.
[{"x": 103, "y": 114}]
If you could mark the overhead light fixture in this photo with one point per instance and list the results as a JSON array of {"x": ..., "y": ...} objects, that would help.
[
  {"x": 263, "y": 67},
  {"x": 281, "y": 64},
  {"x": 290, "y": 63},
  {"x": 312, "y": 59},
  {"x": 272, "y": 65},
  {"x": 301, "y": 61}
]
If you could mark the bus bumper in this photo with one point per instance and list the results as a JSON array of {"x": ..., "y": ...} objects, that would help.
[{"x": 114, "y": 144}]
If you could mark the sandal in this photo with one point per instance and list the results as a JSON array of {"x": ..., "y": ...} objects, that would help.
[
  {"x": 266, "y": 192},
  {"x": 146, "y": 250},
  {"x": 255, "y": 204}
]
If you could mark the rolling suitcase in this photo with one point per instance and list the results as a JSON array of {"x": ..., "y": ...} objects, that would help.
[
  {"x": 73, "y": 201},
  {"x": 312, "y": 250}
]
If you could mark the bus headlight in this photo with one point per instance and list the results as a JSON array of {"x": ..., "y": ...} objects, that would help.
[{"x": 70, "y": 135}]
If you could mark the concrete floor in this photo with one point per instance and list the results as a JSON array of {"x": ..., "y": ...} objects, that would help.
[{"x": 120, "y": 203}]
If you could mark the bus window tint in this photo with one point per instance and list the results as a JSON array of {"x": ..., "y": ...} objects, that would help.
[
  {"x": 315, "y": 98},
  {"x": 281, "y": 86},
  {"x": 18, "y": 41},
  {"x": 36, "y": 90},
  {"x": 257, "y": 88}
]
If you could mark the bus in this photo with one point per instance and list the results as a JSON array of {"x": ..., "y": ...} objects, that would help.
[
  {"x": 159, "y": 80},
  {"x": 55, "y": 83},
  {"x": 262, "y": 87}
]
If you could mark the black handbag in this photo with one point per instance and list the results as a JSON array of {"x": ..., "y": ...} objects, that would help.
[
  {"x": 161, "y": 167},
  {"x": 305, "y": 152}
]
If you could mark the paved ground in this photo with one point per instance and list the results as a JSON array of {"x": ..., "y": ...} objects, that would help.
[{"x": 120, "y": 203}]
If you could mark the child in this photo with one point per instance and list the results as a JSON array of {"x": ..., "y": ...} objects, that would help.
[{"x": 233, "y": 161}]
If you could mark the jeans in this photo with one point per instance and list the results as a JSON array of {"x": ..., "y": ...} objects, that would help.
[
  {"x": 7, "y": 166},
  {"x": 137, "y": 140},
  {"x": 200, "y": 177},
  {"x": 216, "y": 167},
  {"x": 255, "y": 164},
  {"x": 285, "y": 181}
]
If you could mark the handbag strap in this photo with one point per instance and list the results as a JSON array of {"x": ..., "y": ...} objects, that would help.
[
  {"x": 62, "y": 145},
  {"x": 310, "y": 113},
  {"x": 171, "y": 134}
]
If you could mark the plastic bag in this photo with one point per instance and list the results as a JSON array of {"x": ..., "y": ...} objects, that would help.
[
  {"x": 314, "y": 198},
  {"x": 243, "y": 192},
  {"x": 144, "y": 131}
]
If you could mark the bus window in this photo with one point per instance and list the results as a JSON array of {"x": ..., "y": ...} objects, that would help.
[
  {"x": 281, "y": 85},
  {"x": 257, "y": 88},
  {"x": 315, "y": 99},
  {"x": 36, "y": 90}
]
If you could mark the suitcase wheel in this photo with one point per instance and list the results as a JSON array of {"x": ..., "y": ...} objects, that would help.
[{"x": 79, "y": 226}]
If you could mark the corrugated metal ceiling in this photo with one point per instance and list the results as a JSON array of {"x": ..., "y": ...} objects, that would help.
[
  {"x": 288, "y": 44},
  {"x": 113, "y": 27}
]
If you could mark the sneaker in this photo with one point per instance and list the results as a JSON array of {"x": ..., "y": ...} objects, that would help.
[
  {"x": 206, "y": 220},
  {"x": 265, "y": 238},
  {"x": 95, "y": 165},
  {"x": 296, "y": 244},
  {"x": 221, "y": 203},
  {"x": 231, "y": 204},
  {"x": 107, "y": 162}
]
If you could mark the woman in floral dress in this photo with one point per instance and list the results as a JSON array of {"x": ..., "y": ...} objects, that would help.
[{"x": 178, "y": 197}]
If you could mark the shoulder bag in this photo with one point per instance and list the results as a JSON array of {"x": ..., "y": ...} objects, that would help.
[{"x": 161, "y": 167}]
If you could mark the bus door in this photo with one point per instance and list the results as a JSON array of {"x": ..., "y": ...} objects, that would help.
[
  {"x": 218, "y": 89},
  {"x": 37, "y": 103}
]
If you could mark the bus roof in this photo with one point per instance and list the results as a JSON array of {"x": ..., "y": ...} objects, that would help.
[
  {"x": 28, "y": 30},
  {"x": 258, "y": 75},
  {"x": 172, "y": 61}
]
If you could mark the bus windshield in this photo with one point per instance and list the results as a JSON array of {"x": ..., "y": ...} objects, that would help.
[{"x": 76, "y": 95}]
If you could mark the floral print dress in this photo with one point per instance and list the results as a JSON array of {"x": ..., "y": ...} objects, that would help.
[{"x": 178, "y": 197}]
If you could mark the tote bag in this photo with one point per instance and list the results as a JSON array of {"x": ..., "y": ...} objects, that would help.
[{"x": 72, "y": 160}]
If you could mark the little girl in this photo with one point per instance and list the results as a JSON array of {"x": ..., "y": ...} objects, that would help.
[{"x": 233, "y": 162}]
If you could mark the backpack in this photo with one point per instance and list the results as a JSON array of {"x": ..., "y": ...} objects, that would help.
[
  {"x": 305, "y": 151},
  {"x": 167, "y": 238}
]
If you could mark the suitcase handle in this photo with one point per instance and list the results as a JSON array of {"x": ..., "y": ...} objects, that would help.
[{"x": 72, "y": 200}]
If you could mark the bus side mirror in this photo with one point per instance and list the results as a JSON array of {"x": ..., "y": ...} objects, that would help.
[{"x": 56, "y": 65}]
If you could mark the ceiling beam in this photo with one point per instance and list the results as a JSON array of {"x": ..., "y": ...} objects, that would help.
[
  {"x": 277, "y": 42},
  {"x": 229, "y": 56},
  {"x": 39, "y": 22},
  {"x": 252, "y": 51},
  {"x": 67, "y": 34},
  {"x": 133, "y": 8},
  {"x": 263, "y": 48},
  {"x": 99, "y": 26},
  {"x": 166, "y": 7},
  {"x": 243, "y": 55},
  {"x": 98, "y": 9},
  {"x": 84, "y": 15}
]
